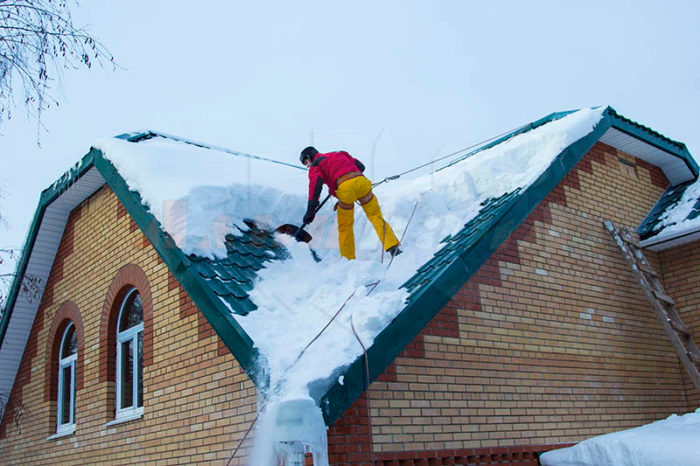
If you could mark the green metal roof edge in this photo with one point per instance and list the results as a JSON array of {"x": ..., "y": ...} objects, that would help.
[
  {"x": 432, "y": 298},
  {"x": 217, "y": 314},
  {"x": 653, "y": 138},
  {"x": 46, "y": 198}
]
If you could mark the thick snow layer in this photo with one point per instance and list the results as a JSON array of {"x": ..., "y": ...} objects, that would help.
[
  {"x": 674, "y": 441},
  {"x": 674, "y": 222},
  {"x": 198, "y": 195}
]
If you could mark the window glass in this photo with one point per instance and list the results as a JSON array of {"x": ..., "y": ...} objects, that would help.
[
  {"x": 66, "y": 395},
  {"x": 139, "y": 393},
  {"x": 129, "y": 398},
  {"x": 132, "y": 312},
  {"x": 127, "y": 380},
  {"x": 68, "y": 355},
  {"x": 70, "y": 342}
]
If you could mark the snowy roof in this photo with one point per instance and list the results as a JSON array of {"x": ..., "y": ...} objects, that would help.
[
  {"x": 210, "y": 213},
  {"x": 675, "y": 219}
]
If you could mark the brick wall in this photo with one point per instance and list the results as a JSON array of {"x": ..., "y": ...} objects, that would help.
[
  {"x": 197, "y": 400},
  {"x": 550, "y": 342},
  {"x": 680, "y": 267}
]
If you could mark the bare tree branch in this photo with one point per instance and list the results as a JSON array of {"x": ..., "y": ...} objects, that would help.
[{"x": 38, "y": 40}]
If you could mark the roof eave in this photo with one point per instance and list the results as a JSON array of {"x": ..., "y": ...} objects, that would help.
[{"x": 674, "y": 149}]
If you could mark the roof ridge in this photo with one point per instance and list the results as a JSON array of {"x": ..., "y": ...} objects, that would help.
[{"x": 149, "y": 134}]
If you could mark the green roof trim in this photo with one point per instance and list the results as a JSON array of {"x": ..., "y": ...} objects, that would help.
[
  {"x": 653, "y": 138},
  {"x": 234, "y": 337},
  {"x": 47, "y": 197},
  {"x": 651, "y": 225}
]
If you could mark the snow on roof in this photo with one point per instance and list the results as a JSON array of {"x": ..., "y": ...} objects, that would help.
[
  {"x": 199, "y": 196},
  {"x": 670, "y": 442},
  {"x": 675, "y": 219}
]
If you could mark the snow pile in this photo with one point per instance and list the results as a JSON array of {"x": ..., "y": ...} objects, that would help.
[
  {"x": 674, "y": 222},
  {"x": 674, "y": 441},
  {"x": 198, "y": 196}
]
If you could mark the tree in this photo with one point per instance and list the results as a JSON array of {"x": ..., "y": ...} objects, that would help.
[
  {"x": 38, "y": 40},
  {"x": 30, "y": 288}
]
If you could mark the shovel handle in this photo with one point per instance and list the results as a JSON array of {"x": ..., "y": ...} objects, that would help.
[{"x": 328, "y": 196}]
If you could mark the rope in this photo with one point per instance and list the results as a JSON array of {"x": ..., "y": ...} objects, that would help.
[
  {"x": 394, "y": 177},
  {"x": 295, "y": 361},
  {"x": 369, "y": 413},
  {"x": 402, "y": 236},
  {"x": 324, "y": 328},
  {"x": 243, "y": 439}
]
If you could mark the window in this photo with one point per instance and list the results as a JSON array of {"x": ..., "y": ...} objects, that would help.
[
  {"x": 67, "y": 357},
  {"x": 129, "y": 375}
]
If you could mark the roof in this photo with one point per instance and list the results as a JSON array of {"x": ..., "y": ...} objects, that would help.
[
  {"x": 229, "y": 287},
  {"x": 675, "y": 219}
]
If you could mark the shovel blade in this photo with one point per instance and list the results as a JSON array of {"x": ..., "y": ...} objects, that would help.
[{"x": 292, "y": 230}]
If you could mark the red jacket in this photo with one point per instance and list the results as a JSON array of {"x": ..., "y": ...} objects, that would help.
[{"x": 327, "y": 168}]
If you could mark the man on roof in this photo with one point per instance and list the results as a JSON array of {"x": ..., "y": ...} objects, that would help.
[{"x": 342, "y": 173}]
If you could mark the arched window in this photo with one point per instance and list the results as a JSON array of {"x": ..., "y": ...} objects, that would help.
[
  {"x": 67, "y": 357},
  {"x": 129, "y": 375}
]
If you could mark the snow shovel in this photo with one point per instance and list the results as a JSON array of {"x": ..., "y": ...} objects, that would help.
[{"x": 299, "y": 233}]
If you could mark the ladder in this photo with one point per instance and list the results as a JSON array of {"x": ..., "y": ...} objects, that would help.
[{"x": 663, "y": 305}]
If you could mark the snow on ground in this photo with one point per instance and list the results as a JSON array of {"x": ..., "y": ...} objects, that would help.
[
  {"x": 198, "y": 196},
  {"x": 674, "y": 441}
]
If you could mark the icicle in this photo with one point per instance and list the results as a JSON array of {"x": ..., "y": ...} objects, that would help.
[{"x": 299, "y": 429}]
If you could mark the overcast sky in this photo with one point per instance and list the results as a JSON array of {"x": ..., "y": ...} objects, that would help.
[{"x": 407, "y": 81}]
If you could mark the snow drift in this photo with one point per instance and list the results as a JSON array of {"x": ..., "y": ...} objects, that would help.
[{"x": 674, "y": 441}]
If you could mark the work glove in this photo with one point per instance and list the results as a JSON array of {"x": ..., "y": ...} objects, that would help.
[{"x": 311, "y": 211}]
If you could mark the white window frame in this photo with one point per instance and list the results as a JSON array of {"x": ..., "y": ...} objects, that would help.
[
  {"x": 130, "y": 334},
  {"x": 70, "y": 361}
]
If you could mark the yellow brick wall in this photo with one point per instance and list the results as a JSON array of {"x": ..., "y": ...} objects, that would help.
[
  {"x": 197, "y": 400},
  {"x": 680, "y": 267},
  {"x": 554, "y": 340}
]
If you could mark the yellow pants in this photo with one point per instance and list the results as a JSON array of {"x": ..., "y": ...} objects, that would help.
[{"x": 347, "y": 193}]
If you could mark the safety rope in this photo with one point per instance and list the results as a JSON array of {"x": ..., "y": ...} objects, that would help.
[
  {"x": 240, "y": 443},
  {"x": 243, "y": 439},
  {"x": 367, "y": 382},
  {"x": 324, "y": 328},
  {"x": 404, "y": 232},
  {"x": 478, "y": 144}
]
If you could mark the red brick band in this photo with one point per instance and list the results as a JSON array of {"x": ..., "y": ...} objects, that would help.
[
  {"x": 130, "y": 276},
  {"x": 67, "y": 313}
]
